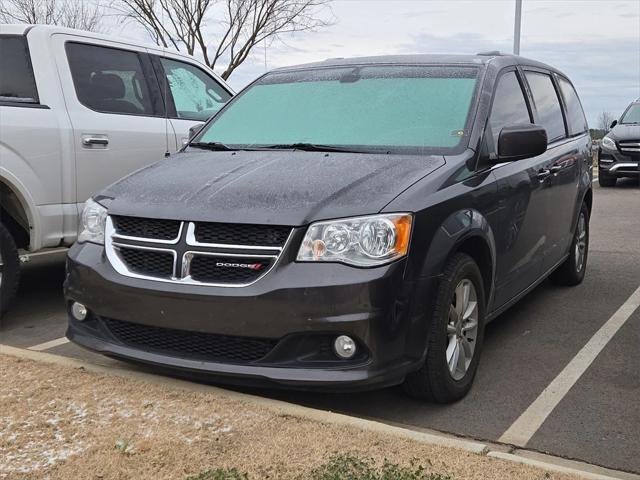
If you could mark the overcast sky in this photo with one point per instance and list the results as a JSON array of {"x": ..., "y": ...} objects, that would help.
[{"x": 595, "y": 42}]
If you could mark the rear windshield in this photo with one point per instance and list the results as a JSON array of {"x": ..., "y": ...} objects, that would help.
[
  {"x": 369, "y": 108},
  {"x": 632, "y": 115}
]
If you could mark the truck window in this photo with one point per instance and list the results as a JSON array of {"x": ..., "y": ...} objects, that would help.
[
  {"x": 548, "y": 111},
  {"x": 109, "y": 80},
  {"x": 17, "y": 83},
  {"x": 509, "y": 106},
  {"x": 575, "y": 114},
  {"x": 196, "y": 95}
]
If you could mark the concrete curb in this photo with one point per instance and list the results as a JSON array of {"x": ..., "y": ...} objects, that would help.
[{"x": 550, "y": 463}]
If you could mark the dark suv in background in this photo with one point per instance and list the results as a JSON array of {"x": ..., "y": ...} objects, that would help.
[
  {"x": 619, "y": 152},
  {"x": 348, "y": 224}
]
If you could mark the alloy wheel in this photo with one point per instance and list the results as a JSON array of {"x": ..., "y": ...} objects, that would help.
[
  {"x": 581, "y": 242},
  {"x": 462, "y": 329}
]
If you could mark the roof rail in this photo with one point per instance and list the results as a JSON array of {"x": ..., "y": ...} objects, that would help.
[{"x": 492, "y": 53}]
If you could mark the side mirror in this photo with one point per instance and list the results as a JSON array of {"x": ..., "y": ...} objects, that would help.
[
  {"x": 193, "y": 131},
  {"x": 613, "y": 124},
  {"x": 521, "y": 141}
]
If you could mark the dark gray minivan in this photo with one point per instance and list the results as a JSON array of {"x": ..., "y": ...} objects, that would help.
[{"x": 348, "y": 224}]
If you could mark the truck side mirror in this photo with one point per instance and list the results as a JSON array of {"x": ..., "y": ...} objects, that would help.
[
  {"x": 521, "y": 141},
  {"x": 193, "y": 131}
]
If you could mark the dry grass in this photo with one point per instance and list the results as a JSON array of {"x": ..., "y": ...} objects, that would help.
[{"x": 64, "y": 423}]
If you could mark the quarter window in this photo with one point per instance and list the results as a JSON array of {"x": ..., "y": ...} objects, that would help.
[
  {"x": 109, "y": 80},
  {"x": 196, "y": 95},
  {"x": 17, "y": 83},
  {"x": 575, "y": 114},
  {"x": 548, "y": 110},
  {"x": 509, "y": 106}
]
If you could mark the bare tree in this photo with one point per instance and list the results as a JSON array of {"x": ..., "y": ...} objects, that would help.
[
  {"x": 604, "y": 121},
  {"x": 245, "y": 23},
  {"x": 79, "y": 14}
]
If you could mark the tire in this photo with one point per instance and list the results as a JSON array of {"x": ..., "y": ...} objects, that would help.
[
  {"x": 9, "y": 269},
  {"x": 572, "y": 271},
  {"x": 435, "y": 381},
  {"x": 606, "y": 181}
]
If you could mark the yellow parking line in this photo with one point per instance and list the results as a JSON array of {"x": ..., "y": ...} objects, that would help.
[{"x": 49, "y": 344}]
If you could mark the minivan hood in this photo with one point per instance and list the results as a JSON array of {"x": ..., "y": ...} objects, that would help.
[{"x": 281, "y": 187}]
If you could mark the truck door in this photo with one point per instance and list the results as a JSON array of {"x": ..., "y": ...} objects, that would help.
[
  {"x": 194, "y": 94},
  {"x": 115, "y": 108}
]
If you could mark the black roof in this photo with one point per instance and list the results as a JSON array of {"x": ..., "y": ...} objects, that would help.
[{"x": 496, "y": 59}]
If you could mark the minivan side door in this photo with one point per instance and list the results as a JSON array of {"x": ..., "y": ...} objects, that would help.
[
  {"x": 193, "y": 95},
  {"x": 523, "y": 199},
  {"x": 115, "y": 109},
  {"x": 561, "y": 165}
]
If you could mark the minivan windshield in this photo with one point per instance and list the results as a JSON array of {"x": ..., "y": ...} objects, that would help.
[
  {"x": 632, "y": 115},
  {"x": 361, "y": 108}
]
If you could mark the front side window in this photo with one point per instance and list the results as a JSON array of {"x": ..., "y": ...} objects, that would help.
[
  {"x": 370, "y": 108},
  {"x": 109, "y": 80},
  {"x": 17, "y": 83},
  {"x": 548, "y": 110},
  {"x": 196, "y": 95},
  {"x": 575, "y": 114},
  {"x": 632, "y": 115},
  {"x": 509, "y": 106}
]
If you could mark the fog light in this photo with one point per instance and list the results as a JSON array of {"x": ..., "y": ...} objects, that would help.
[
  {"x": 345, "y": 347},
  {"x": 79, "y": 311}
]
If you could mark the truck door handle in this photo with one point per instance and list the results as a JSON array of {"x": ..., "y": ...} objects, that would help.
[
  {"x": 543, "y": 173},
  {"x": 90, "y": 141}
]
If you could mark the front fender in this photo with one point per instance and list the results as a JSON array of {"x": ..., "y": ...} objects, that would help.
[{"x": 463, "y": 230}]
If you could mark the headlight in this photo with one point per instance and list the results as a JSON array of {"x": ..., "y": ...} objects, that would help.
[
  {"x": 361, "y": 241},
  {"x": 94, "y": 217},
  {"x": 608, "y": 143}
]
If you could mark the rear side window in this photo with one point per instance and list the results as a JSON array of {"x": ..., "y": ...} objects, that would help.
[
  {"x": 548, "y": 110},
  {"x": 196, "y": 95},
  {"x": 575, "y": 114},
  {"x": 17, "y": 83},
  {"x": 509, "y": 106},
  {"x": 109, "y": 80}
]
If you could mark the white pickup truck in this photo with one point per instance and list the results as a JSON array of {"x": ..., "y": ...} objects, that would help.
[{"x": 78, "y": 111}]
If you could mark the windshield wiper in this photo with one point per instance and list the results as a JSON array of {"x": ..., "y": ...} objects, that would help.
[
  {"x": 311, "y": 147},
  {"x": 211, "y": 146}
]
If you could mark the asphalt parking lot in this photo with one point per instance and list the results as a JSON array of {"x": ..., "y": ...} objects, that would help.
[{"x": 530, "y": 351}]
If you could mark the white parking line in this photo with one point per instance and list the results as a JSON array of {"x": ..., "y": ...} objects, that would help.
[
  {"x": 50, "y": 344},
  {"x": 533, "y": 417}
]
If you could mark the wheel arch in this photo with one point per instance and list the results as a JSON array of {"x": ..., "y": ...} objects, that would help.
[
  {"x": 20, "y": 209},
  {"x": 465, "y": 231}
]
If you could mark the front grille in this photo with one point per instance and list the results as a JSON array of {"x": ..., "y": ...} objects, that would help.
[
  {"x": 189, "y": 344},
  {"x": 242, "y": 234},
  {"x": 193, "y": 252},
  {"x": 631, "y": 147},
  {"x": 146, "y": 227},
  {"x": 148, "y": 262},
  {"x": 232, "y": 270}
]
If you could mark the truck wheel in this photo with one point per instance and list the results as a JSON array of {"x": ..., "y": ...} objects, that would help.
[
  {"x": 572, "y": 271},
  {"x": 9, "y": 269},
  {"x": 606, "y": 181},
  {"x": 456, "y": 332}
]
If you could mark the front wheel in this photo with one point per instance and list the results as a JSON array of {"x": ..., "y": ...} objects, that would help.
[
  {"x": 606, "y": 181},
  {"x": 456, "y": 332},
  {"x": 9, "y": 269},
  {"x": 572, "y": 271}
]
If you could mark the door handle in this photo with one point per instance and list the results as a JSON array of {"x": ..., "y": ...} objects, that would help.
[
  {"x": 90, "y": 141},
  {"x": 555, "y": 169},
  {"x": 543, "y": 173}
]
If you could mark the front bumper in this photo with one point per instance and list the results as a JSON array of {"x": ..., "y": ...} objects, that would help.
[
  {"x": 297, "y": 306},
  {"x": 615, "y": 164}
]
